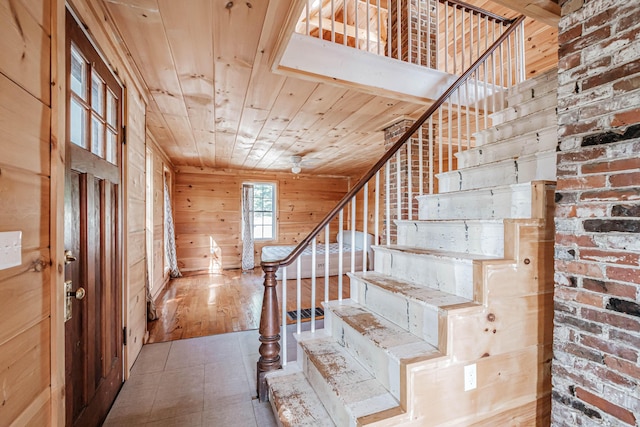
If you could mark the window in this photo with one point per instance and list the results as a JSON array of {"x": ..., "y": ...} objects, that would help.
[
  {"x": 264, "y": 214},
  {"x": 94, "y": 100}
]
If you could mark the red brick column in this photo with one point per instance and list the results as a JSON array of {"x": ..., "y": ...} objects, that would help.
[
  {"x": 416, "y": 15},
  {"x": 391, "y": 135},
  {"x": 596, "y": 367}
]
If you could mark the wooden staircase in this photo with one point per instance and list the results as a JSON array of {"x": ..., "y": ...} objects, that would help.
[{"x": 467, "y": 288}]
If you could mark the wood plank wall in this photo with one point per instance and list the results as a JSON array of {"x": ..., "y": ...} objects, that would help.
[
  {"x": 25, "y": 290},
  {"x": 136, "y": 264},
  {"x": 32, "y": 333},
  {"x": 208, "y": 213}
]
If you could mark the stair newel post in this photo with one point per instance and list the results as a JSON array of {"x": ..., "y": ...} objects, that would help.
[{"x": 269, "y": 332}]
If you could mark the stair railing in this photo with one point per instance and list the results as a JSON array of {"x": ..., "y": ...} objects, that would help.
[
  {"x": 448, "y": 126},
  {"x": 446, "y": 35}
]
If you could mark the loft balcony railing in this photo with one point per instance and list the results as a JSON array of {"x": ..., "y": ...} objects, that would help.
[
  {"x": 447, "y": 35},
  {"x": 387, "y": 192}
]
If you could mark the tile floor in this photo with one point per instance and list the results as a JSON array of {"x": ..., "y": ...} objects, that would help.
[{"x": 193, "y": 382}]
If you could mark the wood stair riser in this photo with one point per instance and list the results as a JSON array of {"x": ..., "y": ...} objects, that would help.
[
  {"x": 344, "y": 387},
  {"x": 522, "y": 109},
  {"x": 451, "y": 275},
  {"x": 333, "y": 406},
  {"x": 294, "y": 400},
  {"x": 509, "y": 201},
  {"x": 373, "y": 358},
  {"x": 526, "y": 91},
  {"x": 473, "y": 237},
  {"x": 419, "y": 319},
  {"x": 534, "y": 142},
  {"x": 526, "y": 124},
  {"x": 539, "y": 166}
]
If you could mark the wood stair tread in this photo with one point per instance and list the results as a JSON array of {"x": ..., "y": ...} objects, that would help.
[
  {"x": 516, "y": 127},
  {"x": 526, "y": 136},
  {"x": 428, "y": 296},
  {"x": 545, "y": 96},
  {"x": 550, "y": 76},
  {"x": 462, "y": 256},
  {"x": 356, "y": 388},
  {"x": 470, "y": 236},
  {"x": 494, "y": 164},
  {"x": 397, "y": 341},
  {"x": 295, "y": 401},
  {"x": 467, "y": 193},
  {"x": 452, "y": 221}
]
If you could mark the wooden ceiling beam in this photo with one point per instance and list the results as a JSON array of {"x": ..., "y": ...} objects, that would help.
[{"x": 546, "y": 11}]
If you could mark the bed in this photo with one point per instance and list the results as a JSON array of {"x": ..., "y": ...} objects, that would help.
[{"x": 343, "y": 239}]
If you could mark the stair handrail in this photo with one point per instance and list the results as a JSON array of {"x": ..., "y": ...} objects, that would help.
[
  {"x": 392, "y": 151},
  {"x": 478, "y": 10},
  {"x": 269, "y": 324}
]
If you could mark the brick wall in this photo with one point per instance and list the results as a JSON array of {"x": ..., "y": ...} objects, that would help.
[{"x": 596, "y": 370}]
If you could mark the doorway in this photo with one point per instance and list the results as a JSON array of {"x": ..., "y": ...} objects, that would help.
[{"x": 92, "y": 233}]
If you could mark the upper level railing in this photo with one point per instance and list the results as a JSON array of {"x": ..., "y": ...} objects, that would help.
[
  {"x": 447, "y": 35},
  {"x": 387, "y": 191}
]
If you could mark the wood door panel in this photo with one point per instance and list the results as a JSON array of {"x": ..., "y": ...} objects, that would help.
[
  {"x": 93, "y": 216},
  {"x": 93, "y": 333},
  {"x": 74, "y": 363}
]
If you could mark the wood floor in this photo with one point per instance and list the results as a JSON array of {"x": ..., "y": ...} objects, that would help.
[{"x": 201, "y": 304}]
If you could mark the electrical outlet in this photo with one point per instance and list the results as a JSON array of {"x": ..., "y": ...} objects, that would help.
[
  {"x": 10, "y": 249},
  {"x": 470, "y": 377}
]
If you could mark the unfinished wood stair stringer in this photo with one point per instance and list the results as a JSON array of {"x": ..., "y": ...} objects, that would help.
[{"x": 443, "y": 298}]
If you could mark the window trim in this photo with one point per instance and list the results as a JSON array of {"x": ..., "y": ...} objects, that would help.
[{"x": 274, "y": 211}]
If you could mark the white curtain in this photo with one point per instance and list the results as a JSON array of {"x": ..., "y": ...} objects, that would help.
[
  {"x": 170, "y": 241},
  {"x": 248, "y": 261}
]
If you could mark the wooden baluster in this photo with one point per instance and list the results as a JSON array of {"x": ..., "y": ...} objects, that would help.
[
  {"x": 353, "y": 235},
  {"x": 430, "y": 162},
  {"x": 269, "y": 332}
]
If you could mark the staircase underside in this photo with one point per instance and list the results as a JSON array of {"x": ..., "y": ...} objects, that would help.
[{"x": 322, "y": 60}]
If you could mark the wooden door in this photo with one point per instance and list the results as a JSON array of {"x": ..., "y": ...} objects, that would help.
[{"x": 93, "y": 331}]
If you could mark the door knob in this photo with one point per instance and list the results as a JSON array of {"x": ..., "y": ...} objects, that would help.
[
  {"x": 69, "y": 294},
  {"x": 77, "y": 294},
  {"x": 68, "y": 257}
]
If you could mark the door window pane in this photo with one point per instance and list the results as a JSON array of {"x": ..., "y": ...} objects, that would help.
[
  {"x": 77, "y": 122},
  {"x": 97, "y": 94},
  {"x": 112, "y": 109},
  {"x": 97, "y": 137},
  {"x": 78, "y": 74},
  {"x": 112, "y": 147}
]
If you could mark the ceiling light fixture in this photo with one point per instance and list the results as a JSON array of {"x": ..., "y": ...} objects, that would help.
[{"x": 296, "y": 169}]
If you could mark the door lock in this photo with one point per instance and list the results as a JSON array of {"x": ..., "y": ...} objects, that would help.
[
  {"x": 70, "y": 294},
  {"x": 68, "y": 257}
]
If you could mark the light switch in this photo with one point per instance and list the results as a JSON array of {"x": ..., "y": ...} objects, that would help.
[
  {"x": 10, "y": 249},
  {"x": 470, "y": 377}
]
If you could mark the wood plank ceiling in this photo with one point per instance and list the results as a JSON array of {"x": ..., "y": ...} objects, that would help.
[{"x": 214, "y": 102}]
